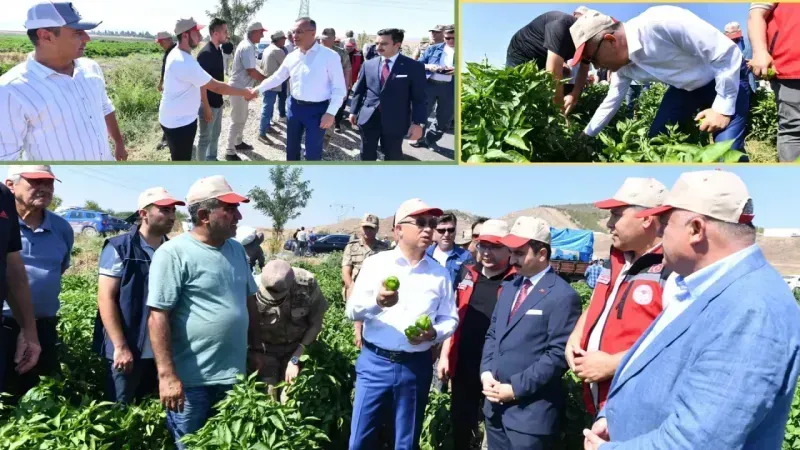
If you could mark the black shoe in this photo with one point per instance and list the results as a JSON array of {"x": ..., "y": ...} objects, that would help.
[
  {"x": 243, "y": 146},
  {"x": 264, "y": 139},
  {"x": 422, "y": 143},
  {"x": 273, "y": 132},
  {"x": 337, "y": 129},
  {"x": 232, "y": 158}
]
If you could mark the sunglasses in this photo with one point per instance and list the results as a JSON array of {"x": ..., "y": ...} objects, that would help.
[
  {"x": 451, "y": 38},
  {"x": 594, "y": 55},
  {"x": 446, "y": 230},
  {"x": 423, "y": 222}
]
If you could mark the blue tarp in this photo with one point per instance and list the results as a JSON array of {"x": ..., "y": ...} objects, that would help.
[{"x": 571, "y": 245}]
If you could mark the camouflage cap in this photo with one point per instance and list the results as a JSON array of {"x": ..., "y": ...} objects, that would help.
[
  {"x": 369, "y": 220},
  {"x": 276, "y": 280}
]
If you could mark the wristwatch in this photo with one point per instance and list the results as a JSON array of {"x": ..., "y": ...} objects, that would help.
[{"x": 295, "y": 360}]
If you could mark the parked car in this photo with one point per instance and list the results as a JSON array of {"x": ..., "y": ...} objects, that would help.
[
  {"x": 119, "y": 224},
  {"x": 260, "y": 49},
  {"x": 794, "y": 283},
  {"x": 88, "y": 223},
  {"x": 330, "y": 243}
]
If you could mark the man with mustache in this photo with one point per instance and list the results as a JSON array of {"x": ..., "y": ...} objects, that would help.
[
  {"x": 202, "y": 305},
  {"x": 393, "y": 372},
  {"x": 120, "y": 328},
  {"x": 47, "y": 239}
]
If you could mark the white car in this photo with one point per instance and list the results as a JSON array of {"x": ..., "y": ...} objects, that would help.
[{"x": 794, "y": 283}]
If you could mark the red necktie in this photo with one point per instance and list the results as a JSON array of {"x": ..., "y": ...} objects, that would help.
[
  {"x": 385, "y": 72},
  {"x": 523, "y": 293}
]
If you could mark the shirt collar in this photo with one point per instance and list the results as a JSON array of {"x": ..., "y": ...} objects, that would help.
[
  {"x": 699, "y": 282},
  {"x": 45, "y": 225},
  {"x": 400, "y": 258},
  {"x": 535, "y": 278},
  {"x": 634, "y": 43},
  {"x": 629, "y": 255},
  {"x": 391, "y": 60}
]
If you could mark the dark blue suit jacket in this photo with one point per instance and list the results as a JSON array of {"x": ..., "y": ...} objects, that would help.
[
  {"x": 401, "y": 98},
  {"x": 528, "y": 352}
]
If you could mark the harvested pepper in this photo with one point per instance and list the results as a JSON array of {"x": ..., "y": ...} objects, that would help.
[
  {"x": 424, "y": 323},
  {"x": 391, "y": 283},
  {"x": 412, "y": 332}
]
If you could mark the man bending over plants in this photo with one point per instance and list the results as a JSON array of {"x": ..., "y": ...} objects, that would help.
[{"x": 674, "y": 46}]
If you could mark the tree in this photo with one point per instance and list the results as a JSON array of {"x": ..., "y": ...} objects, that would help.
[
  {"x": 57, "y": 201},
  {"x": 92, "y": 205},
  {"x": 289, "y": 195},
  {"x": 181, "y": 216},
  {"x": 362, "y": 39},
  {"x": 237, "y": 13}
]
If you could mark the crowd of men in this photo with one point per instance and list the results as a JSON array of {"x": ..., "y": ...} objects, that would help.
[
  {"x": 55, "y": 106},
  {"x": 690, "y": 336},
  {"x": 706, "y": 69}
]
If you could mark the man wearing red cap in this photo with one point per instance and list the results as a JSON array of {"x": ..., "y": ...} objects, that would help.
[
  {"x": 627, "y": 296},
  {"x": 120, "y": 328},
  {"x": 476, "y": 296},
  {"x": 393, "y": 372},
  {"x": 203, "y": 311},
  {"x": 523, "y": 357},
  {"x": 773, "y": 31},
  {"x": 47, "y": 239},
  {"x": 720, "y": 363}
]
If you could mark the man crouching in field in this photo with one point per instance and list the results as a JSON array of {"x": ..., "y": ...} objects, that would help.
[
  {"x": 54, "y": 106},
  {"x": 202, "y": 302}
]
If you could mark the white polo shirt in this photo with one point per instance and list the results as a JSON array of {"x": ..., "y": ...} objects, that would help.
[
  {"x": 180, "y": 101},
  {"x": 49, "y": 116}
]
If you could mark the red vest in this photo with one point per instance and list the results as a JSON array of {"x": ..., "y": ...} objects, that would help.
[
  {"x": 355, "y": 61},
  {"x": 783, "y": 35},
  {"x": 463, "y": 296},
  {"x": 635, "y": 306}
]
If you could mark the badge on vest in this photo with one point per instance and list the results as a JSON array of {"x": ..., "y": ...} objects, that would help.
[
  {"x": 656, "y": 269},
  {"x": 643, "y": 295},
  {"x": 467, "y": 283},
  {"x": 604, "y": 278}
]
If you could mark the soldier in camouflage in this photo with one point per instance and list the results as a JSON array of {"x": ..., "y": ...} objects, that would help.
[
  {"x": 291, "y": 307},
  {"x": 355, "y": 253},
  {"x": 328, "y": 40}
]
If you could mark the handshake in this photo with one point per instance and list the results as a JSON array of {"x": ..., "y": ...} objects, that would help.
[{"x": 250, "y": 94}]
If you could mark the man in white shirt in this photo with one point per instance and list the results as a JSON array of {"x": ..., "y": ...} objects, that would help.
[
  {"x": 183, "y": 79},
  {"x": 439, "y": 63},
  {"x": 317, "y": 90},
  {"x": 289, "y": 42},
  {"x": 54, "y": 106},
  {"x": 394, "y": 369},
  {"x": 674, "y": 46},
  {"x": 245, "y": 75}
]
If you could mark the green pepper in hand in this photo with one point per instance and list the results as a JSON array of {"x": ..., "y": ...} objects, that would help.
[
  {"x": 412, "y": 332},
  {"x": 424, "y": 323},
  {"x": 391, "y": 283}
]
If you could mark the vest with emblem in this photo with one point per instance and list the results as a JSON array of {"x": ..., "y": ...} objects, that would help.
[
  {"x": 783, "y": 33},
  {"x": 360, "y": 251},
  {"x": 283, "y": 326},
  {"x": 636, "y": 304}
]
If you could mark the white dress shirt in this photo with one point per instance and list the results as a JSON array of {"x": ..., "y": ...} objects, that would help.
[
  {"x": 180, "y": 101},
  {"x": 391, "y": 64},
  {"x": 674, "y": 46},
  {"x": 448, "y": 56},
  {"x": 682, "y": 292},
  {"x": 534, "y": 279},
  {"x": 316, "y": 76},
  {"x": 49, "y": 116},
  {"x": 425, "y": 288}
]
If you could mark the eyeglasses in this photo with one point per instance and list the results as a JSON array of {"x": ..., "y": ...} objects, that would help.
[
  {"x": 451, "y": 38},
  {"x": 594, "y": 55},
  {"x": 422, "y": 222},
  {"x": 446, "y": 230}
]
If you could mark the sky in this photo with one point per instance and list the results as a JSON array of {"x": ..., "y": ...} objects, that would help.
[
  {"x": 343, "y": 15},
  {"x": 504, "y": 19},
  {"x": 351, "y": 191}
]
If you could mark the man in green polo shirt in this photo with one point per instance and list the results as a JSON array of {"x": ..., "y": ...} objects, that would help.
[{"x": 201, "y": 295}]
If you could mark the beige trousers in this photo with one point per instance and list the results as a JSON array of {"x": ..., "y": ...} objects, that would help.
[{"x": 239, "y": 113}]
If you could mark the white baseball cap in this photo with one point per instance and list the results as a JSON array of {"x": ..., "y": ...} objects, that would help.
[
  {"x": 713, "y": 193},
  {"x": 526, "y": 229},
  {"x": 163, "y": 35},
  {"x": 32, "y": 172},
  {"x": 256, "y": 26},
  {"x": 184, "y": 25},
  {"x": 493, "y": 231},
  {"x": 586, "y": 27},
  {"x": 414, "y": 207},
  {"x": 646, "y": 192},
  {"x": 733, "y": 30},
  {"x": 157, "y": 196},
  {"x": 48, "y": 14},
  {"x": 213, "y": 187},
  {"x": 581, "y": 10}
]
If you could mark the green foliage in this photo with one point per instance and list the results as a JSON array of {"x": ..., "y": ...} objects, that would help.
[
  {"x": 5, "y": 67},
  {"x": 237, "y": 13},
  {"x": 764, "y": 117},
  {"x": 95, "y": 48},
  {"x": 57, "y": 201},
  {"x": 131, "y": 86},
  {"x": 288, "y": 197}
]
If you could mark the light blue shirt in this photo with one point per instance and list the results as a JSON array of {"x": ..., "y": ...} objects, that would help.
[
  {"x": 391, "y": 64},
  {"x": 46, "y": 254},
  {"x": 679, "y": 294},
  {"x": 111, "y": 266}
]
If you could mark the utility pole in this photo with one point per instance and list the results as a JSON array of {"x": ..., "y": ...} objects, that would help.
[
  {"x": 304, "y": 9},
  {"x": 341, "y": 211}
]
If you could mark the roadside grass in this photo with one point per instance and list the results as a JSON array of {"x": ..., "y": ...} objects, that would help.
[{"x": 761, "y": 152}]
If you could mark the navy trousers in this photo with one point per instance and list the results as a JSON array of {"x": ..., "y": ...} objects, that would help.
[
  {"x": 388, "y": 390},
  {"x": 304, "y": 118},
  {"x": 373, "y": 133},
  {"x": 501, "y": 438}
]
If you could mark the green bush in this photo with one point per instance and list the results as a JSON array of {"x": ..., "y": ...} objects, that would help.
[
  {"x": 95, "y": 48},
  {"x": 131, "y": 86}
]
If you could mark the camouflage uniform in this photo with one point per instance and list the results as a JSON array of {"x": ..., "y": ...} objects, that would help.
[
  {"x": 346, "y": 68},
  {"x": 287, "y": 322},
  {"x": 357, "y": 250}
]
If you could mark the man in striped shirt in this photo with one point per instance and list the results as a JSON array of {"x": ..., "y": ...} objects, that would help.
[{"x": 54, "y": 106}]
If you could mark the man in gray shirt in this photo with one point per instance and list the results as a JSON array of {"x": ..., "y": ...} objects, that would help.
[{"x": 245, "y": 75}]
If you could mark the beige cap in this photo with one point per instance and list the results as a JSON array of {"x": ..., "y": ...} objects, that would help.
[
  {"x": 733, "y": 30},
  {"x": 276, "y": 279},
  {"x": 414, "y": 207},
  {"x": 438, "y": 29},
  {"x": 213, "y": 187},
  {"x": 464, "y": 238},
  {"x": 713, "y": 193},
  {"x": 586, "y": 27},
  {"x": 157, "y": 196},
  {"x": 525, "y": 229},
  {"x": 277, "y": 35},
  {"x": 494, "y": 231},
  {"x": 162, "y": 35},
  {"x": 369, "y": 220},
  {"x": 646, "y": 192},
  {"x": 184, "y": 25},
  {"x": 256, "y": 26},
  {"x": 31, "y": 172},
  {"x": 581, "y": 10},
  {"x": 350, "y": 42}
]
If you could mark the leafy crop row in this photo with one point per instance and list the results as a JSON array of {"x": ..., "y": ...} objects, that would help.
[
  {"x": 101, "y": 47},
  {"x": 508, "y": 116}
]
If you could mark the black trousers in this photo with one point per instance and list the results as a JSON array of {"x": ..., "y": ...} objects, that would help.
[
  {"x": 340, "y": 114},
  {"x": 372, "y": 134},
  {"x": 18, "y": 384},
  {"x": 466, "y": 402},
  {"x": 181, "y": 141}
]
